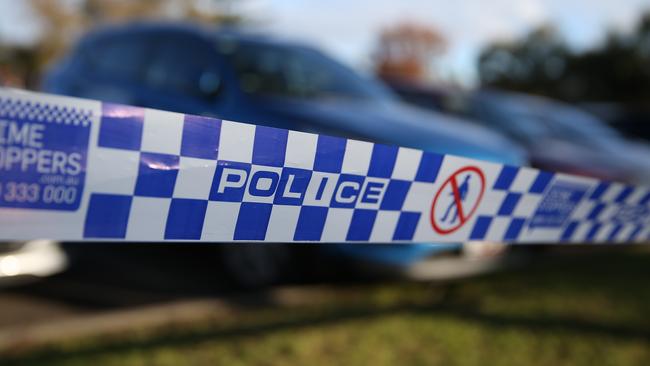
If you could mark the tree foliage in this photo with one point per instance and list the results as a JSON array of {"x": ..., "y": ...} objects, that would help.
[
  {"x": 541, "y": 63},
  {"x": 66, "y": 21},
  {"x": 405, "y": 52}
]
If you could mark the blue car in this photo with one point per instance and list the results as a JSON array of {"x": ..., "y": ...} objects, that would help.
[{"x": 255, "y": 79}]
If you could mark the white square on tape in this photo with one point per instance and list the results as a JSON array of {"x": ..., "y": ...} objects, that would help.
[
  {"x": 194, "y": 178},
  {"x": 491, "y": 202},
  {"x": 384, "y": 227},
  {"x": 282, "y": 223},
  {"x": 526, "y": 206},
  {"x": 357, "y": 157},
  {"x": 612, "y": 192},
  {"x": 301, "y": 150},
  {"x": 337, "y": 225},
  {"x": 524, "y": 180},
  {"x": 419, "y": 197},
  {"x": 113, "y": 171},
  {"x": 220, "y": 221},
  {"x": 148, "y": 218},
  {"x": 498, "y": 228},
  {"x": 406, "y": 164},
  {"x": 162, "y": 132},
  {"x": 236, "y": 142}
]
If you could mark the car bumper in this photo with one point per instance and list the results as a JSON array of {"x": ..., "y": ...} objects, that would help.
[
  {"x": 32, "y": 259},
  {"x": 475, "y": 258},
  {"x": 434, "y": 262}
]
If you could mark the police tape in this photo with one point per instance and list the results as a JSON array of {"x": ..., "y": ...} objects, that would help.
[{"x": 76, "y": 169}]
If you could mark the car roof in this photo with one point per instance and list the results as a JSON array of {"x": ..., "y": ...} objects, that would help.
[{"x": 203, "y": 31}]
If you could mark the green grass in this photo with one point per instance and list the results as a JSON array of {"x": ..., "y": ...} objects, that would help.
[{"x": 590, "y": 310}]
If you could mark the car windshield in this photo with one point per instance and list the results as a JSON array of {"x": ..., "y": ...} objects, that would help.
[
  {"x": 512, "y": 117},
  {"x": 537, "y": 119},
  {"x": 297, "y": 72},
  {"x": 575, "y": 125}
]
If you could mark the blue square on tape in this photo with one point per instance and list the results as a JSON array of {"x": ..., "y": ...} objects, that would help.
[
  {"x": 593, "y": 231},
  {"x": 569, "y": 230},
  {"x": 156, "y": 175},
  {"x": 270, "y": 146},
  {"x": 625, "y": 193},
  {"x": 514, "y": 229},
  {"x": 382, "y": 161},
  {"x": 541, "y": 182},
  {"x": 185, "y": 219},
  {"x": 361, "y": 225},
  {"x": 311, "y": 222},
  {"x": 107, "y": 216},
  {"x": 509, "y": 203},
  {"x": 229, "y": 182},
  {"x": 406, "y": 225},
  {"x": 252, "y": 221},
  {"x": 480, "y": 227},
  {"x": 599, "y": 190},
  {"x": 329, "y": 154},
  {"x": 121, "y": 127},
  {"x": 593, "y": 214},
  {"x": 395, "y": 195},
  {"x": 200, "y": 137},
  {"x": 506, "y": 177},
  {"x": 429, "y": 167}
]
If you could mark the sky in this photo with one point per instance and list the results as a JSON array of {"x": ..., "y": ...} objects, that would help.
[{"x": 348, "y": 29}]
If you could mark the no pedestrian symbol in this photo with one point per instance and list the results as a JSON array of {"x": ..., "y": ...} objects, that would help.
[{"x": 457, "y": 199}]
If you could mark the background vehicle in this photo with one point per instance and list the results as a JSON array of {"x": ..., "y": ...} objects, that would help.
[
  {"x": 557, "y": 136},
  {"x": 564, "y": 138},
  {"x": 263, "y": 81}
]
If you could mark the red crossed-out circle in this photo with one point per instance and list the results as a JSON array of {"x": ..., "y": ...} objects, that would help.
[{"x": 462, "y": 216}]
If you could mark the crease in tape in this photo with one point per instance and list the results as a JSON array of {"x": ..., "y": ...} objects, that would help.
[{"x": 76, "y": 169}]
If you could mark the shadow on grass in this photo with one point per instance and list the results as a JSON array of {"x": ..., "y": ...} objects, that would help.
[{"x": 619, "y": 275}]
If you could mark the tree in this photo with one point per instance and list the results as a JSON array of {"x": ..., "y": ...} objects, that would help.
[
  {"x": 66, "y": 21},
  {"x": 532, "y": 64},
  {"x": 406, "y": 52},
  {"x": 541, "y": 63}
]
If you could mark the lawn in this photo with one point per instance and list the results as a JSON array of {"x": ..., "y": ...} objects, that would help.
[{"x": 587, "y": 309}]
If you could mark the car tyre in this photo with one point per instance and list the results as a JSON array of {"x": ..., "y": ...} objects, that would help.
[{"x": 256, "y": 265}]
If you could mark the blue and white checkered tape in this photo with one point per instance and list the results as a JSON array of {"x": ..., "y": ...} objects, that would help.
[{"x": 75, "y": 169}]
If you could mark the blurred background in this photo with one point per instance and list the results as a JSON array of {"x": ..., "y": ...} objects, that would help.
[{"x": 557, "y": 85}]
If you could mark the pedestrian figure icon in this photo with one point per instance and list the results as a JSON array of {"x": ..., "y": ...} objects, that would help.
[
  {"x": 455, "y": 203},
  {"x": 462, "y": 192}
]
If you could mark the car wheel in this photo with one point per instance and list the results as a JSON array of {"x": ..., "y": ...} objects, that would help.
[{"x": 256, "y": 265}]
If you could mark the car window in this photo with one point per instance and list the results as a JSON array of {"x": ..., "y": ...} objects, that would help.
[
  {"x": 118, "y": 57},
  {"x": 298, "y": 73},
  {"x": 514, "y": 119},
  {"x": 576, "y": 126},
  {"x": 183, "y": 65}
]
